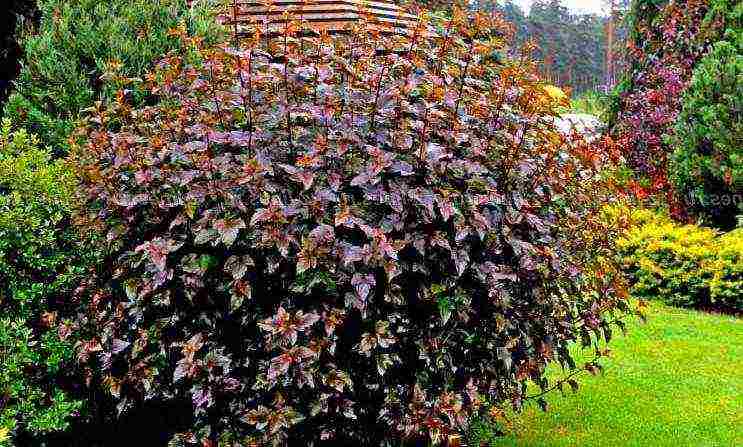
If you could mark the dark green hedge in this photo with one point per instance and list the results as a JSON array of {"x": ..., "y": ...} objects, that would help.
[{"x": 85, "y": 50}]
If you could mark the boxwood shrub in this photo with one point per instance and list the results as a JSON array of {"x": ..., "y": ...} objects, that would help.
[
  {"x": 40, "y": 264},
  {"x": 353, "y": 239}
]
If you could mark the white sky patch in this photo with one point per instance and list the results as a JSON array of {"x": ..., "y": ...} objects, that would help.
[{"x": 581, "y": 6}]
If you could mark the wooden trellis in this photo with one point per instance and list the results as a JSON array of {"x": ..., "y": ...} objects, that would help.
[{"x": 331, "y": 15}]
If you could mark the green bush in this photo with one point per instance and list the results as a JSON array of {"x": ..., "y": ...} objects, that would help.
[
  {"x": 37, "y": 265},
  {"x": 85, "y": 50},
  {"x": 707, "y": 165},
  {"x": 38, "y": 409},
  {"x": 684, "y": 265}
]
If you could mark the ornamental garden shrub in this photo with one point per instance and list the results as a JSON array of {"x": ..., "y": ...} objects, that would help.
[
  {"x": 39, "y": 265},
  {"x": 707, "y": 165},
  {"x": 667, "y": 40},
  {"x": 727, "y": 281},
  {"x": 664, "y": 46},
  {"x": 362, "y": 238},
  {"x": 85, "y": 50},
  {"x": 32, "y": 404},
  {"x": 684, "y": 265}
]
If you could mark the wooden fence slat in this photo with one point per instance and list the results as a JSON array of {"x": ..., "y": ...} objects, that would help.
[{"x": 331, "y": 15}]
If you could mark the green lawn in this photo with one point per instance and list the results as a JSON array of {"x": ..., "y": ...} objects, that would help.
[{"x": 676, "y": 380}]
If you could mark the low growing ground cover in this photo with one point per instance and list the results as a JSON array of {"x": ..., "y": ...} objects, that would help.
[{"x": 675, "y": 380}]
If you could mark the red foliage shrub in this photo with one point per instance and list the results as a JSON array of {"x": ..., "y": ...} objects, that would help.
[
  {"x": 359, "y": 238},
  {"x": 664, "y": 46}
]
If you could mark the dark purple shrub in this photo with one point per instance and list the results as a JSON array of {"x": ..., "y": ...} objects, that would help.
[{"x": 358, "y": 238}]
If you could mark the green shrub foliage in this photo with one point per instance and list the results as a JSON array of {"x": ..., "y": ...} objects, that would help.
[
  {"x": 85, "y": 50},
  {"x": 684, "y": 265},
  {"x": 38, "y": 265},
  {"x": 348, "y": 238},
  {"x": 707, "y": 165}
]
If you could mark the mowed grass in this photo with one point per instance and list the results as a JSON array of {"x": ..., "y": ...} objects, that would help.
[{"x": 676, "y": 380}]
